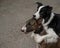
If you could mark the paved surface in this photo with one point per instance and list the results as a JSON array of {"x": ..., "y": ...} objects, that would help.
[{"x": 13, "y": 14}]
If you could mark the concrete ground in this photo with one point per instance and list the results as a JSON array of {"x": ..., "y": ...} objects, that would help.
[{"x": 13, "y": 14}]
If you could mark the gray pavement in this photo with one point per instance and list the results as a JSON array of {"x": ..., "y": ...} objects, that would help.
[{"x": 13, "y": 14}]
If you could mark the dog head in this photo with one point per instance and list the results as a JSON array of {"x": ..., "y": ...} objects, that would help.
[
  {"x": 42, "y": 11},
  {"x": 31, "y": 25}
]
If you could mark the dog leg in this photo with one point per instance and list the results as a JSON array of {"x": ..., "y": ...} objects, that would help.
[{"x": 37, "y": 45}]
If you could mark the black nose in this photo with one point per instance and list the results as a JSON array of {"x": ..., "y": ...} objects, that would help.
[
  {"x": 22, "y": 30},
  {"x": 34, "y": 16}
]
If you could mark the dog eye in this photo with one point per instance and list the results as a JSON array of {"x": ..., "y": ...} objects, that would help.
[
  {"x": 41, "y": 12},
  {"x": 29, "y": 23}
]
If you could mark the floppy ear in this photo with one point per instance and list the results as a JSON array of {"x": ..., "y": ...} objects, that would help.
[
  {"x": 39, "y": 4},
  {"x": 49, "y": 7}
]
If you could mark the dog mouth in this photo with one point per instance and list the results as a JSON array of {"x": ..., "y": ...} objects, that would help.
[{"x": 25, "y": 30}]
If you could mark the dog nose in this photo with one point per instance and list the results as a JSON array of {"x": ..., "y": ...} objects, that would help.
[
  {"x": 22, "y": 30},
  {"x": 34, "y": 16}
]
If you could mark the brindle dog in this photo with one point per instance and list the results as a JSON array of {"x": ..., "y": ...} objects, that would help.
[
  {"x": 37, "y": 27},
  {"x": 33, "y": 25}
]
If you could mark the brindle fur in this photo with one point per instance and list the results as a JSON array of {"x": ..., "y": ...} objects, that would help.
[
  {"x": 49, "y": 45},
  {"x": 35, "y": 24}
]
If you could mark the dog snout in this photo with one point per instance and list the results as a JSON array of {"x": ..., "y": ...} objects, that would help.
[{"x": 23, "y": 29}]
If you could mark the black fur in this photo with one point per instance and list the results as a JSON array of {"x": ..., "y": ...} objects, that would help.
[
  {"x": 39, "y": 4},
  {"x": 45, "y": 13},
  {"x": 55, "y": 24}
]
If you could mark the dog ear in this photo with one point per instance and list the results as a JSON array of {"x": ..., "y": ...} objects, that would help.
[
  {"x": 49, "y": 7},
  {"x": 39, "y": 4}
]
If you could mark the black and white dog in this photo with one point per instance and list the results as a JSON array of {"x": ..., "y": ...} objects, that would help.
[{"x": 50, "y": 19}]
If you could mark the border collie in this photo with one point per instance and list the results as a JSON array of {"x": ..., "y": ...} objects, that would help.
[{"x": 50, "y": 19}]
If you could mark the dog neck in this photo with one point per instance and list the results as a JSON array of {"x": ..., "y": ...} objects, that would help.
[{"x": 48, "y": 22}]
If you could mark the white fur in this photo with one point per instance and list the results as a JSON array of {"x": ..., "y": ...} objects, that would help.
[
  {"x": 49, "y": 38},
  {"x": 37, "y": 37},
  {"x": 24, "y": 28},
  {"x": 32, "y": 35},
  {"x": 43, "y": 21},
  {"x": 37, "y": 13},
  {"x": 51, "y": 35},
  {"x": 52, "y": 16}
]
